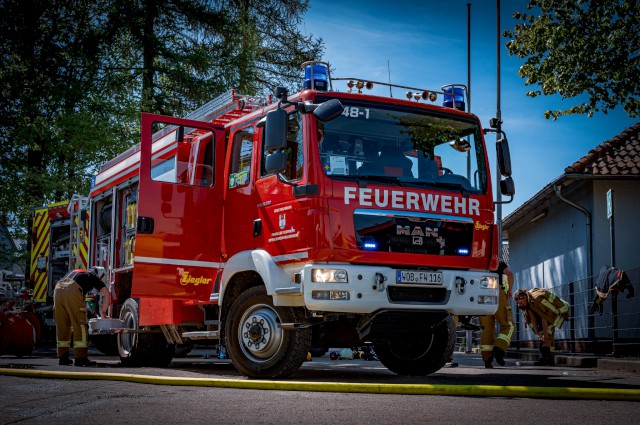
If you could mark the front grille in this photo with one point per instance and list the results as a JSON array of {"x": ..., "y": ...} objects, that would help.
[
  {"x": 413, "y": 234},
  {"x": 405, "y": 294}
]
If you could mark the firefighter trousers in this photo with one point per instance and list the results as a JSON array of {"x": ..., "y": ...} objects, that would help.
[
  {"x": 70, "y": 314},
  {"x": 504, "y": 317}
]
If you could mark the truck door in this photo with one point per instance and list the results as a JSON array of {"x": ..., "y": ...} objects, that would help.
[{"x": 177, "y": 245}]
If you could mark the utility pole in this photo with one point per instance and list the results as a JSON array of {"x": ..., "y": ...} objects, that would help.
[{"x": 498, "y": 132}]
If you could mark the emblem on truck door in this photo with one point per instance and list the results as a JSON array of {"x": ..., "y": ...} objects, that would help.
[
  {"x": 282, "y": 220},
  {"x": 187, "y": 279}
]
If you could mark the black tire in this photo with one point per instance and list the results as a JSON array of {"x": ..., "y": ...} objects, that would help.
[
  {"x": 420, "y": 357},
  {"x": 256, "y": 345},
  {"x": 141, "y": 349}
]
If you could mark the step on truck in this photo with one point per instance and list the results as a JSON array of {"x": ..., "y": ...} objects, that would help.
[{"x": 318, "y": 219}]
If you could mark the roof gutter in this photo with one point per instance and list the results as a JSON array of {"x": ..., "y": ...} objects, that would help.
[{"x": 587, "y": 214}]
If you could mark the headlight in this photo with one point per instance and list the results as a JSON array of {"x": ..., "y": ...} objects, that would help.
[
  {"x": 329, "y": 276},
  {"x": 489, "y": 282}
]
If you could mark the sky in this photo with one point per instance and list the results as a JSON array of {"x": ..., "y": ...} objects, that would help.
[{"x": 424, "y": 44}]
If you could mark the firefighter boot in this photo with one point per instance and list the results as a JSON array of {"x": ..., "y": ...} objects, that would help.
[
  {"x": 552, "y": 360},
  {"x": 488, "y": 364},
  {"x": 83, "y": 361},
  {"x": 64, "y": 360},
  {"x": 545, "y": 353},
  {"x": 498, "y": 353}
]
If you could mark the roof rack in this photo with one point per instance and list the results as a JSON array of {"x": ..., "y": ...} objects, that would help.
[{"x": 223, "y": 109}]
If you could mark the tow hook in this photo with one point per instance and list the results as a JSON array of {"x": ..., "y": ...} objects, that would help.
[
  {"x": 379, "y": 282},
  {"x": 460, "y": 284}
]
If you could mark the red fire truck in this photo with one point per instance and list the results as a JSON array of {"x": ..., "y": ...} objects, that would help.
[
  {"x": 59, "y": 244},
  {"x": 324, "y": 219}
]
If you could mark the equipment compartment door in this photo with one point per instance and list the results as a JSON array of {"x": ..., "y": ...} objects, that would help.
[{"x": 179, "y": 209}]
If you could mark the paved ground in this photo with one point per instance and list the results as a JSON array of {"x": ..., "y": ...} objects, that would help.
[{"x": 203, "y": 363}]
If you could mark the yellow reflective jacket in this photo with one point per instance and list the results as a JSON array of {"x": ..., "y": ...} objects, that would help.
[{"x": 551, "y": 308}]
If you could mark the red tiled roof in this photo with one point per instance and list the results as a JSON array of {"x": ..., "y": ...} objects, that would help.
[{"x": 619, "y": 156}]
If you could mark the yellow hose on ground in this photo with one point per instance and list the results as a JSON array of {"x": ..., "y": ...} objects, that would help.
[{"x": 343, "y": 387}]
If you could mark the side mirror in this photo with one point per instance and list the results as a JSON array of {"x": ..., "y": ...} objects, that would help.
[
  {"x": 504, "y": 157},
  {"x": 507, "y": 187},
  {"x": 461, "y": 145},
  {"x": 328, "y": 110},
  {"x": 276, "y": 130},
  {"x": 275, "y": 162}
]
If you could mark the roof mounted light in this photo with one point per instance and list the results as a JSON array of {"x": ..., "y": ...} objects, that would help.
[
  {"x": 316, "y": 75},
  {"x": 454, "y": 96}
]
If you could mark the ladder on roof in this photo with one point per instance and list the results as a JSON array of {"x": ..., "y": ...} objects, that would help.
[
  {"x": 77, "y": 232},
  {"x": 223, "y": 109}
]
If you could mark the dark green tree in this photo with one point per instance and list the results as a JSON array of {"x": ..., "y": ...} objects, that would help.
[
  {"x": 75, "y": 75},
  {"x": 585, "y": 50}
]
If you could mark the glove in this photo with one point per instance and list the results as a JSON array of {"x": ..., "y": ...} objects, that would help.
[{"x": 596, "y": 305}]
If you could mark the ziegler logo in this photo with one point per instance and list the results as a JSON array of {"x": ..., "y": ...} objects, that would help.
[
  {"x": 187, "y": 279},
  {"x": 480, "y": 226}
]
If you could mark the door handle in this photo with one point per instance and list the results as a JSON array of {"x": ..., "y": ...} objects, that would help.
[{"x": 145, "y": 225}]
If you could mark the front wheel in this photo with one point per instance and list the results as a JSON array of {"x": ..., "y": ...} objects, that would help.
[
  {"x": 421, "y": 356},
  {"x": 256, "y": 344}
]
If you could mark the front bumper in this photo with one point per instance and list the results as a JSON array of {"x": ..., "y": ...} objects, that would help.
[{"x": 372, "y": 288}]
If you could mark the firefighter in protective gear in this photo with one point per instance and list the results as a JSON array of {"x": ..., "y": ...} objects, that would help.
[
  {"x": 491, "y": 346},
  {"x": 544, "y": 312},
  {"x": 70, "y": 312}
]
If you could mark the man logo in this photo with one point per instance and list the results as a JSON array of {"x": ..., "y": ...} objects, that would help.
[{"x": 417, "y": 240}]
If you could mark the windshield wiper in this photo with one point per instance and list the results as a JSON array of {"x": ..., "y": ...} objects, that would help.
[
  {"x": 455, "y": 186},
  {"x": 383, "y": 179}
]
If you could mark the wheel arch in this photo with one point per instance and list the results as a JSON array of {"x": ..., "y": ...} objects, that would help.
[{"x": 263, "y": 268}]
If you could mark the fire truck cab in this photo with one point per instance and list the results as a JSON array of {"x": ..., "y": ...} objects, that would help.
[{"x": 324, "y": 219}]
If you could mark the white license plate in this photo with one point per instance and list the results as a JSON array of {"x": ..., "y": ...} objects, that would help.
[{"x": 417, "y": 276}]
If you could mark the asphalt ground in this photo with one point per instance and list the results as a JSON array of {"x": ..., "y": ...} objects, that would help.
[{"x": 518, "y": 378}]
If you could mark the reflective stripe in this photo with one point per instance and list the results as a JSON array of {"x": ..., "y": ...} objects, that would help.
[
  {"x": 552, "y": 296},
  {"x": 558, "y": 322},
  {"x": 553, "y": 349},
  {"x": 505, "y": 283},
  {"x": 550, "y": 306},
  {"x": 486, "y": 348},
  {"x": 176, "y": 262},
  {"x": 83, "y": 342},
  {"x": 504, "y": 338},
  {"x": 564, "y": 308},
  {"x": 64, "y": 344},
  {"x": 507, "y": 337}
]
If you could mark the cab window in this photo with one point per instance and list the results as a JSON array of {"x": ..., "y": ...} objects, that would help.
[{"x": 241, "y": 154}]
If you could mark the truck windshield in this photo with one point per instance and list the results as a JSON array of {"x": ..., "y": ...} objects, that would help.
[{"x": 403, "y": 147}]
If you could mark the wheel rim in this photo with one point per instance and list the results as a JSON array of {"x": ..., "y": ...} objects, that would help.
[
  {"x": 127, "y": 340},
  {"x": 259, "y": 334}
]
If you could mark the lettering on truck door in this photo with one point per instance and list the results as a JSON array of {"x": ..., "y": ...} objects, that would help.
[{"x": 177, "y": 247}]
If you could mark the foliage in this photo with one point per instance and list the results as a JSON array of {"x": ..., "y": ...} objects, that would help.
[
  {"x": 585, "y": 50},
  {"x": 75, "y": 75}
]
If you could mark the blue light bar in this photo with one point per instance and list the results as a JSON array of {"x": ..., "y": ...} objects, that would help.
[
  {"x": 454, "y": 94},
  {"x": 315, "y": 77},
  {"x": 370, "y": 245},
  {"x": 463, "y": 251}
]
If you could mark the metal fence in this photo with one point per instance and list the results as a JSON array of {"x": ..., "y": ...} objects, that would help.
[{"x": 616, "y": 331}]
